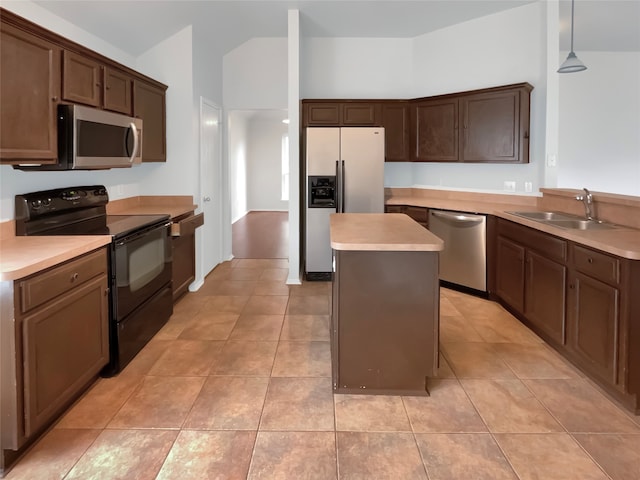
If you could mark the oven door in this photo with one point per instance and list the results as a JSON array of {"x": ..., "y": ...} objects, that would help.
[{"x": 142, "y": 266}]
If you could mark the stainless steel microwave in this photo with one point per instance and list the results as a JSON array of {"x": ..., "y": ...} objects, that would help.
[{"x": 92, "y": 139}]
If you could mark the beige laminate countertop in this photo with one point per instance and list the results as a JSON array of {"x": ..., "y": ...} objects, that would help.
[
  {"x": 623, "y": 242},
  {"x": 24, "y": 256},
  {"x": 174, "y": 211},
  {"x": 380, "y": 231}
]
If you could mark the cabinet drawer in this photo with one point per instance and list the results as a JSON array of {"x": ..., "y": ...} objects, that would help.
[
  {"x": 596, "y": 264},
  {"x": 552, "y": 247},
  {"x": 419, "y": 214},
  {"x": 52, "y": 283},
  {"x": 394, "y": 209},
  {"x": 187, "y": 226}
]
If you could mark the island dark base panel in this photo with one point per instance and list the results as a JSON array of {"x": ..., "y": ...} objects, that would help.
[{"x": 384, "y": 322}]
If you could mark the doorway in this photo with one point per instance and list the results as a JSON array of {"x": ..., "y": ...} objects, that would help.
[
  {"x": 261, "y": 235},
  {"x": 259, "y": 180}
]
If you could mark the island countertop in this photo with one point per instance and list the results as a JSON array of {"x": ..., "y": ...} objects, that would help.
[{"x": 381, "y": 231}]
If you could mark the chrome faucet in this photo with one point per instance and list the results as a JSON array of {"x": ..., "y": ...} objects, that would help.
[{"x": 587, "y": 199}]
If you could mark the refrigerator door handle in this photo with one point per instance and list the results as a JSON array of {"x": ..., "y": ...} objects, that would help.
[
  {"x": 337, "y": 195},
  {"x": 342, "y": 182}
]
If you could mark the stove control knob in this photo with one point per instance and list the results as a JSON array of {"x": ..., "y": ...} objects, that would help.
[
  {"x": 36, "y": 204},
  {"x": 46, "y": 202}
]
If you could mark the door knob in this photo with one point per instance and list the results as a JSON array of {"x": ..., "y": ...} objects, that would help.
[{"x": 207, "y": 199}]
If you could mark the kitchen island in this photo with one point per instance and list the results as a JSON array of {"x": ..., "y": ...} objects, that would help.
[{"x": 385, "y": 304}]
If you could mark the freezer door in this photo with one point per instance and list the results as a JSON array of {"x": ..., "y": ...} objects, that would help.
[
  {"x": 323, "y": 150},
  {"x": 318, "y": 241},
  {"x": 362, "y": 150}
]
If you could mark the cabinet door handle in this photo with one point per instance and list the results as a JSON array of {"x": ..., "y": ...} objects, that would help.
[
  {"x": 572, "y": 286},
  {"x": 589, "y": 260},
  {"x": 74, "y": 277},
  {"x": 54, "y": 99}
]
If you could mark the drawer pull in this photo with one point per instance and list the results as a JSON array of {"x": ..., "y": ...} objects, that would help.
[
  {"x": 74, "y": 277},
  {"x": 589, "y": 260}
]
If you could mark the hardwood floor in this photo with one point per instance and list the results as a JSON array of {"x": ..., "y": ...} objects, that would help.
[{"x": 261, "y": 235}]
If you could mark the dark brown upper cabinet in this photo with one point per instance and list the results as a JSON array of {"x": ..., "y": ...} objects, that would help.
[
  {"x": 29, "y": 96},
  {"x": 321, "y": 114},
  {"x": 341, "y": 113},
  {"x": 435, "y": 129},
  {"x": 490, "y": 125},
  {"x": 87, "y": 81},
  {"x": 361, "y": 114},
  {"x": 493, "y": 128},
  {"x": 117, "y": 91},
  {"x": 149, "y": 105},
  {"x": 482, "y": 126},
  {"x": 396, "y": 123},
  {"x": 41, "y": 69},
  {"x": 81, "y": 79}
]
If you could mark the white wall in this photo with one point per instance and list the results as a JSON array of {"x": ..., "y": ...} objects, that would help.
[
  {"x": 599, "y": 127},
  {"x": 356, "y": 68},
  {"x": 237, "y": 149},
  {"x": 255, "y": 75},
  {"x": 500, "y": 49},
  {"x": 508, "y": 47},
  {"x": 264, "y": 164},
  {"x": 171, "y": 62}
]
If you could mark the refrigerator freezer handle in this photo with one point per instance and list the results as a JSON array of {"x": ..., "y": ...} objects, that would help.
[
  {"x": 337, "y": 194},
  {"x": 342, "y": 182}
]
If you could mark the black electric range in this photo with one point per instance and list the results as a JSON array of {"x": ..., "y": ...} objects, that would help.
[{"x": 140, "y": 293}]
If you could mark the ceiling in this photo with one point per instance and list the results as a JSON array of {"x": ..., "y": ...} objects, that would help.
[{"x": 134, "y": 26}]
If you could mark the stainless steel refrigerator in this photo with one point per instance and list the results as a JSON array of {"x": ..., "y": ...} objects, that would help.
[{"x": 345, "y": 173}]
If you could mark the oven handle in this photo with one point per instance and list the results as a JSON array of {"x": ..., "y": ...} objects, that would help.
[{"x": 135, "y": 236}]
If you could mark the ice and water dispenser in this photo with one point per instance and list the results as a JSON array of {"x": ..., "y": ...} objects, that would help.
[{"x": 322, "y": 191}]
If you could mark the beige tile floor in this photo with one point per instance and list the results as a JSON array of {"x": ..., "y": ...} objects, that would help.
[{"x": 237, "y": 385}]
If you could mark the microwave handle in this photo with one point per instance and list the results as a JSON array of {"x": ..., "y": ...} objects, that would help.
[{"x": 136, "y": 141}]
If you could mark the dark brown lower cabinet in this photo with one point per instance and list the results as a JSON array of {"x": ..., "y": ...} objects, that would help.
[
  {"x": 544, "y": 296},
  {"x": 66, "y": 344},
  {"x": 510, "y": 276},
  {"x": 54, "y": 348},
  {"x": 384, "y": 322},
  {"x": 184, "y": 252},
  {"x": 594, "y": 325},
  {"x": 583, "y": 302}
]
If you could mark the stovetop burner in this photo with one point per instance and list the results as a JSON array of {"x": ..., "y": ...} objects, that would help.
[{"x": 75, "y": 211}]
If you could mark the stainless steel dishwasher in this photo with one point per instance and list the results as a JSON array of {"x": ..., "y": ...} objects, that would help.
[{"x": 464, "y": 258}]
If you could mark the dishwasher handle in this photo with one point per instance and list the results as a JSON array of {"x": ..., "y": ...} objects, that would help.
[{"x": 459, "y": 217}]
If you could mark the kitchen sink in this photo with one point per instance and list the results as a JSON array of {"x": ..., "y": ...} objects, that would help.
[
  {"x": 543, "y": 216},
  {"x": 565, "y": 220},
  {"x": 581, "y": 224}
]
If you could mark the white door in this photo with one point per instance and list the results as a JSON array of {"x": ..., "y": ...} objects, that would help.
[{"x": 210, "y": 244}]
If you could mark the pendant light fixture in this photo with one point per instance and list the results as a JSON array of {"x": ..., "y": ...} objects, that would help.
[{"x": 572, "y": 63}]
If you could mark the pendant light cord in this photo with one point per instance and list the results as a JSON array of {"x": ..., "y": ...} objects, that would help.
[{"x": 572, "y": 4}]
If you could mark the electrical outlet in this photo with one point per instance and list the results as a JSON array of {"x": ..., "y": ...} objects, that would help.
[
  {"x": 551, "y": 160},
  {"x": 528, "y": 187},
  {"x": 509, "y": 186}
]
